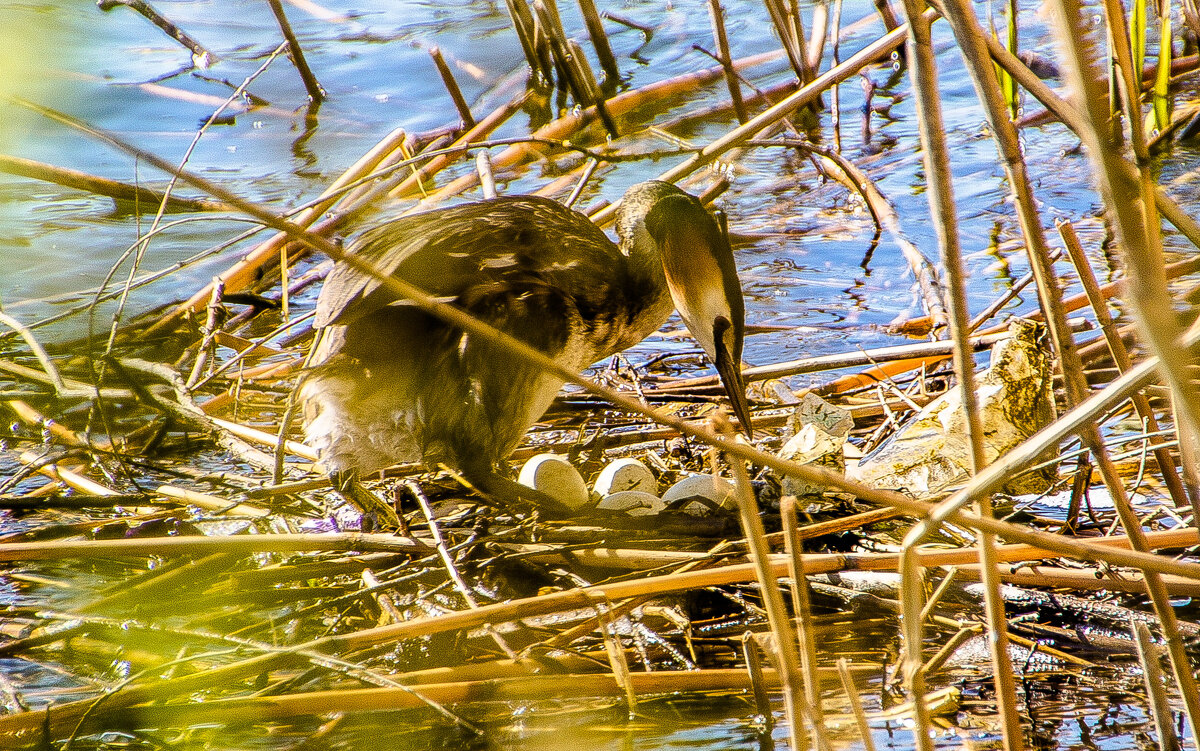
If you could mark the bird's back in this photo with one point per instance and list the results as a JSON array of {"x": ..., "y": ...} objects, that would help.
[
  {"x": 393, "y": 383},
  {"x": 453, "y": 252}
]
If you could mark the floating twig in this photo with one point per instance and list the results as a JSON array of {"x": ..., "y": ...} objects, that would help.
[
  {"x": 201, "y": 57},
  {"x": 143, "y": 199}
]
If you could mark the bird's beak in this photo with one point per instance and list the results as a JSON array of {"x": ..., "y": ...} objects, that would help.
[
  {"x": 729, "y": 368},
  {"x": 702, "y": 278}
]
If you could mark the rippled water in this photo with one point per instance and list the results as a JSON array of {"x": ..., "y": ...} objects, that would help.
[{"x": 375, "y": 66}]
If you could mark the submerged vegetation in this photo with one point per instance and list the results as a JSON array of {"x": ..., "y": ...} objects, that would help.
[{"x": 916, "y": 546}]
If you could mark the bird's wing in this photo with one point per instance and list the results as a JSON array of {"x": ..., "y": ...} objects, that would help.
[{"x": 468, "y": 252}]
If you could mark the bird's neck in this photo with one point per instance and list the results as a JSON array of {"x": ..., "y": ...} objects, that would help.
[{"x": 648, "y": 287}]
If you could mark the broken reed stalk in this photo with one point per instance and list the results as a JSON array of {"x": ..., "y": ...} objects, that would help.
[
  {"x": 860, "y": 717},
  {"x": 585, "y": 175},
  {"x": 947, "y": 650},
  {"x": 1189, "y": 459},
  {"x": 820, "y": 30},
  {"x": 522, "y": 20},
  {"x": 383, "y": 600},
  {"x": 933, "y": 295},
  {"x": 592, "y": 95},
  {"x": 207, "y": 333},
  {"x": 247, "y": 348},
  {"x": 942, "y": 588},
  {"x": 646, "y": 29},
  {"x": 200, "y": 55},
  {"x": 616, "y": 655},
  {"x": 555, "y": 38},
  {"x": 919, "y": 353},
  {"x": 784, "y": 645},
  {"x": 717, "y": 14},
  {"x": 595, "y": 96},
  {"x": 604, "y": 53},
  {"x": 886, "y": 15},
  {"x": 566, "y": 126},
  {"x": 758, "y": 682},
  {"x": 66, "y": 476},
  {"x": 142, "y": 199},
  {"x": 456, "y": 95},
  {"x": 802, "y": 611},
  {"x": 814, "y": 563},
  {"x": 262, "y": 709},
  {"x": 414, "y": 183},
  {"x": 63, "y": 388},
  {"x": 59, "y": 432},
  {"x": 211, "y": 503},
  {"x": 249, "y": 267},
  {"x": 923, "y": 72},
  {"x": 316, "y": 94},
  {"x": 448, "y": 562},
  {"x": 835, "y": 109},
  {"x": 233, "y": 544},
  {"x": 603, "y": 557},
  {"x": 1096, "y": 579},
  {"x": 487, "y": 178},
  {"x": 1160, "y": 706},
  {"x": 783, "y": 29},
  {"x": 1120, "y": 356}
]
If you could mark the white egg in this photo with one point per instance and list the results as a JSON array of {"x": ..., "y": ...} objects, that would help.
[
  {"x": 625, "y": 474},
  {"x": 716, "y": 489},
  {"x": 554, "y": 476},
  {"x": 632, "y": 502}
]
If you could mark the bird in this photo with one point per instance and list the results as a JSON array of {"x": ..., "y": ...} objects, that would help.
[{"x": 388, "y": 382}]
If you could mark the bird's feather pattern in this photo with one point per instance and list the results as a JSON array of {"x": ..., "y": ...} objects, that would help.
[{"x": 527, "y": 266}]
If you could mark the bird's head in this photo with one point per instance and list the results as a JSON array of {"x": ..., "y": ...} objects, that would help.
[{"x": 659, "y": 219}]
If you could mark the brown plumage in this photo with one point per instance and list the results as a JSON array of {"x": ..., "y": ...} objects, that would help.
[{"x": 392, "y": 383}]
